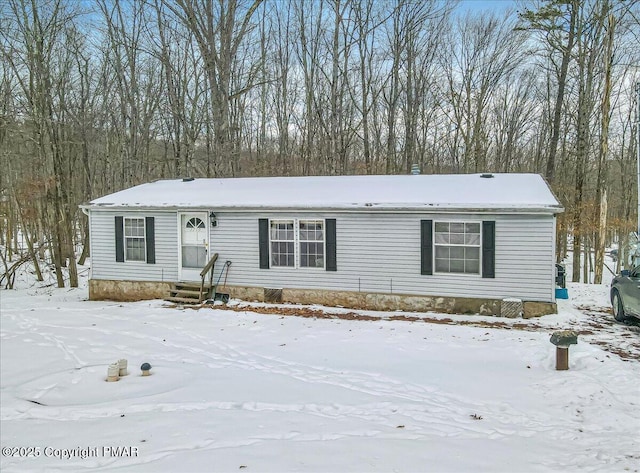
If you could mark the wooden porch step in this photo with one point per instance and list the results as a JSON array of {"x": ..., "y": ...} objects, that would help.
[
  {"x": 183, "y": 300},
  {"x": 185, "y": 292},
  {"x": 188, "y": 293},
  {"x": 190, "y": 286}
]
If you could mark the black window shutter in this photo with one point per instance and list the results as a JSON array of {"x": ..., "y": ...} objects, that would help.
[
  {"x": 263, "y": 240},
  {"x": 426, "y": 247},
  {"x": 150, "y": 236},
  {"x": 119, "y": 240},
  {"x": 488, "y": 249},
  {"x": 330, "y": 229}
]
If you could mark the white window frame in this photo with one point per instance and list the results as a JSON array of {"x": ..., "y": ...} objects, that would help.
[
  {"x": 300, "y": 241},
  {"x": 271, "y": 241},
  {"x": 459, "y": 245},
  {"x": 297, "y": 243},
  {"x": 130, "y": 237}
]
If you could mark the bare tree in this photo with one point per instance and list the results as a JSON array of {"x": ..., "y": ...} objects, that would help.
[
  {"x": 488, "y": 52},
  {"x": 219, "y": 29},
  {"x": 512, "y": 115},
  {"x": 605, "y": 109},
  {"x": 134, "y": 78},
  {"x": 142, "y": 89},
  {"x": 34, "y": 48},
  {"x": 557, "y": 20}
]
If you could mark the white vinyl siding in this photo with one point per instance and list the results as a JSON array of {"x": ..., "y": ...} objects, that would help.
[
  {"x": 103, "y": 249},
  {"x": 376, "y": 252},
  {"x": 381, "y": 253}
]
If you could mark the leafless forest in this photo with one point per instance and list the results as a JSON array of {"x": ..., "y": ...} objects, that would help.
[{"x": 99, "y": 95}]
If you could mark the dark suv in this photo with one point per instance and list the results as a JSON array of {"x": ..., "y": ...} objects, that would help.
[{"x": 625, "y": 294}]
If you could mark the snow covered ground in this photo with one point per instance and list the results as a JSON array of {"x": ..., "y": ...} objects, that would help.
[{"x": 237, "y": 390}]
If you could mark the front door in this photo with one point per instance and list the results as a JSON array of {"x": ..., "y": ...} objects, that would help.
[{"x": 194, "y": 243}]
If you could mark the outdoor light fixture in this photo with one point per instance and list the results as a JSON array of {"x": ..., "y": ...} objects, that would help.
[{"x": 212, "y": 219}]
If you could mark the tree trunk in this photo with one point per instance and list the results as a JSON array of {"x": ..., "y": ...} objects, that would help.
[
  {"x": 562, "y": 82},
  {"x": 85, "y": 243},
  {"x": 601, "y": 193}
]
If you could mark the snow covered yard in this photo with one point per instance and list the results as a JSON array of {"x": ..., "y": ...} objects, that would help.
[{"x": 242, "y": 391}]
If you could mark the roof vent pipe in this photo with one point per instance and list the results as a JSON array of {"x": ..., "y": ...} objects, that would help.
[
  {"x": 487, "y": 176},
  {"x": 415, "y": 169},
  {"x": 188, "y": 179}
]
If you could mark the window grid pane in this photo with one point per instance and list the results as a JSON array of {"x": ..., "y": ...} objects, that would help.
[
  {"x": 311, "y": 255},
  {"x": 282, "y": 244},
  {"x": 297, "y": 241},
  {"x": 135, "y": 249},
  {"x": 311, "y": 244},
  {"x": 134, "y": 239},
  {"x": 457, "y": 247},
  {"x": 195, "y": 223},
  {"x": 134, "y": 227}
]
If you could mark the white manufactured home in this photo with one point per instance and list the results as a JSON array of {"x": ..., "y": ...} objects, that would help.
[{"x": 452, "y": 243}]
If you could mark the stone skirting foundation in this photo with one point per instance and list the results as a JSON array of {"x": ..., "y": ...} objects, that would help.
[
  {"x": 128, "y": 291},
  {"x": 141, "y": 290}
]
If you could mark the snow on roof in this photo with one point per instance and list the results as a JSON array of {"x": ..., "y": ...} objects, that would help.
[{"x": 411, "y": 192}]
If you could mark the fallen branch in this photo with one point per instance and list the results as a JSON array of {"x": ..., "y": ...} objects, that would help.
[{"x": 10, "y": 272}]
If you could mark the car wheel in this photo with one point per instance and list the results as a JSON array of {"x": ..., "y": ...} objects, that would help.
[{"x": 618, "y": 308}]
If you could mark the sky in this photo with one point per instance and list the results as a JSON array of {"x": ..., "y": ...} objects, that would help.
[{"x": 486, "y": 5}]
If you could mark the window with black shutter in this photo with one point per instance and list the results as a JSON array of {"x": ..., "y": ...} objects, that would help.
[{"x": 135, "y": 239}]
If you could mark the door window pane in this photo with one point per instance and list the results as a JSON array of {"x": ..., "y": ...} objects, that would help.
[{"x": 194, "y": 256}]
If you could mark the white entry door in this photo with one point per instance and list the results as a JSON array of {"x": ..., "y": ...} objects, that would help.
[{"x": 194, "y": 245}]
